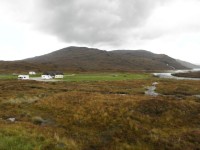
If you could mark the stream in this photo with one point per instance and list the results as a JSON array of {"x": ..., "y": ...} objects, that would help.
[{"x": 150, "y": 90}]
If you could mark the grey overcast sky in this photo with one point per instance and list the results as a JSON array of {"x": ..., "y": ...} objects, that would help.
[{"x": 34, "y": 27}]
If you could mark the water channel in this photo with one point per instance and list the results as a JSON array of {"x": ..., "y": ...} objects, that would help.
[{"x": 169, "y": 74}]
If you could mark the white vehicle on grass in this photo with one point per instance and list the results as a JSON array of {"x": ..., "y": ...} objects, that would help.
[
  {"x": 23, "y": 77},
  {"x": 59, "y": 76},
  {"x": 46, "y": 77}
]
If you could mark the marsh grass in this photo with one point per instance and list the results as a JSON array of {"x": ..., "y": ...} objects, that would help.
[
  {"x": 179, "y": 87},
  {"x": 100, "y": 115},
  {"x": 19, "y": 138}
]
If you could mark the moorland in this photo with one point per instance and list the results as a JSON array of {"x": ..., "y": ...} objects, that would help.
[{"x": 104, "y": 112}]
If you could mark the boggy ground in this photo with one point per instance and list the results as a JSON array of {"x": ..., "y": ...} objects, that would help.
[{"x": 99, "y": 115}]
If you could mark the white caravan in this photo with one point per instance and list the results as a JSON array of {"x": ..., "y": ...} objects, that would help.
[
  {"x": 23, "y": 77},
  {"x": 46, "y": 77},
  {"x": 59, "y": 76}
]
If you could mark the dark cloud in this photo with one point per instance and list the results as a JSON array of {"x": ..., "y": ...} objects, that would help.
[{"x": 92, "y": 21}]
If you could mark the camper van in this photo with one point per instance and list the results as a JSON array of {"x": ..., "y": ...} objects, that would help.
[
  {"x": 59, "y": 76},
  {"x": 46, "y": 77},
  {"x": 23, "y": 77},
  {"x": 52, "y": 75}
]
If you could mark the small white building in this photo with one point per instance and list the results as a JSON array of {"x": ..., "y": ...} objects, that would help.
[
  {"x": 46, "y": 77},
  {"x": 32, "y": 72},
  {"x": 23, "y": 77}
]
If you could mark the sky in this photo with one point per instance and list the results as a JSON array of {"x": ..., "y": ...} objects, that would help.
[{"x": 31, "y": 28}]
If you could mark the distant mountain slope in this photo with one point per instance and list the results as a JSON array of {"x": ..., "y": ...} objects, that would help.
[
  {"x": 149, "y": 60},
  {"x": 82, "y": 59},
  {"x": 22, "y": 66},
  {"x": 187, "y": 64},
  {"x": 89, "y": 59}
]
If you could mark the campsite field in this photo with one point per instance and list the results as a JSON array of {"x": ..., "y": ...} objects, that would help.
[
  {"x": 104, "y": 77},
  {"x": 103, "y": 115},
  {"x": 92, "y": 76},
  {"x": 7, "y": 76},
  {"x": 10, "y": 76}
]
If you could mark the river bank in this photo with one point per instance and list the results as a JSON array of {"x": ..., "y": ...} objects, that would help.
[{"x": 188, "y": 74}]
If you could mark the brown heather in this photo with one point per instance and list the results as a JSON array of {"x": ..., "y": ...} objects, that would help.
[{"x": 100, "y": 115}]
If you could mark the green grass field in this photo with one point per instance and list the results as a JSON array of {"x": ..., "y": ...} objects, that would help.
[
  {"x": 105, "y": 77},
  {"x": 92, "y": 77},
  {"x": 7, "y": 76},
  {"x": 10, "y": 76}
]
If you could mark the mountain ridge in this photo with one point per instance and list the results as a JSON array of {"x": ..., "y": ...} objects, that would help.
[
  {"x": 86, "y": 59},
  {"x": 92, "y": 59}
]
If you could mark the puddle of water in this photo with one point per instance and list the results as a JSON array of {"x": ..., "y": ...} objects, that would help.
[{"x": 151, "y": 91}]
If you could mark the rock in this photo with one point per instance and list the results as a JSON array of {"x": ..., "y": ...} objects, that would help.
[
  {"x": 11, "y": 119},
  {"x": 155, "y": 83}
]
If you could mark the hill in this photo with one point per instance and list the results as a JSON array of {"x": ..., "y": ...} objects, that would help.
[
  {"x": 187, "y": 64},
  {"x": 82, "y": 59},
  {"x": 148, "y": 60},
  {"x": 22, "y": 66},
  {"x": 90, "y": 59}
]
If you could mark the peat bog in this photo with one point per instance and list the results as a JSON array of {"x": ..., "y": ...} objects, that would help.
[{"x": 99, "y": 115}]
